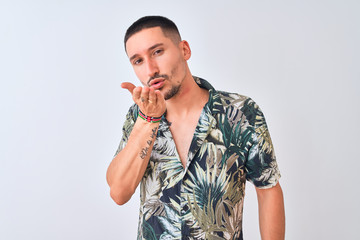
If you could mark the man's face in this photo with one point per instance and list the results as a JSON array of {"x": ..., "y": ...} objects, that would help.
[{"x": 158, "y": 62}]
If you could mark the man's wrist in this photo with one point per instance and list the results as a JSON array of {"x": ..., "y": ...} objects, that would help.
[{"x": 149, "y": 118}]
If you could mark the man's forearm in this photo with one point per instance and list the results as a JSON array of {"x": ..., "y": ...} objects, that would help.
[
  {"x": 271, "y": 213},
  {"x": 128, "y": 166}
]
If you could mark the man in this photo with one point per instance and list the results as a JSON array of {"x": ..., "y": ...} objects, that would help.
[{"x": 191, "y": 147}]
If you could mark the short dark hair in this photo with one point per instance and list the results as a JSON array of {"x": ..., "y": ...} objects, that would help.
[{"x": 167, "y": 26}]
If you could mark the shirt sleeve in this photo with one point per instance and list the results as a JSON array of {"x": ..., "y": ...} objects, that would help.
[
  {"x": 127, "y": 127},
  {"x": 261, "y": 166}
]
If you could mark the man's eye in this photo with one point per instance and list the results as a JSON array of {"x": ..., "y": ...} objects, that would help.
[
  {"x": 157, "y": 52},
  {"x": 137, "y": 62}
]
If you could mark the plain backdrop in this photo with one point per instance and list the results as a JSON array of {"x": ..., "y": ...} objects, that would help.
[{"x": 62, "y": 108}]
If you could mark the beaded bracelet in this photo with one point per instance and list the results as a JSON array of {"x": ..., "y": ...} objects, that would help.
[{"x": 149, "y": 119}]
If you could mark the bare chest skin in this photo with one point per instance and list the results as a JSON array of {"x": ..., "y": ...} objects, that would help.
[
  {"x": 183, "y": 127},
  {"x": 183, "y": 132}
]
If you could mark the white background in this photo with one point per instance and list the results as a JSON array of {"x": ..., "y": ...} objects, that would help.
[{"x": 62, "y": 108}]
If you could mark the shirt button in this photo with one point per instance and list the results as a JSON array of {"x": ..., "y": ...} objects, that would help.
[{"x": 184, "y": 209}]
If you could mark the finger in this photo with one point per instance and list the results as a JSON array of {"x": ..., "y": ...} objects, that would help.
[
  {"x": 159, "y": 96},
  {"x": 152, "y": 96},
  {"x": 145, "y": 94},
  {"x": 136, "y": 94},
  {"x": 160, "y": 102},
  {"x": 129, "y": 86}
]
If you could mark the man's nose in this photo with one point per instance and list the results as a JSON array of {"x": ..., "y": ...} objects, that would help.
[{"x": 152, "y": 68}]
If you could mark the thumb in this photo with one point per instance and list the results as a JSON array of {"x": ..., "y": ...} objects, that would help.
[{"x": 129, "y": 86}]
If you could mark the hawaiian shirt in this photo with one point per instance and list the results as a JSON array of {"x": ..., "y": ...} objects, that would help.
[{"x": 204, "y": 200}]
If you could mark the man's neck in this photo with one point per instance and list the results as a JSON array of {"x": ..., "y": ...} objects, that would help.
[{"x": 191, "y": 98}]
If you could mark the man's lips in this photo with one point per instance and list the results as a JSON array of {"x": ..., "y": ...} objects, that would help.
[{"x": 157, "y": 83}]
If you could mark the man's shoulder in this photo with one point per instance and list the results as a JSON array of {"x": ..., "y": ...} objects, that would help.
[
  {"x": 231, "y": 95},
  {"x": 227, "y": 98},
  {"x": 231, "y": 99},
  {"x": 230, "y": 103},
  {"x": 236, "y": 105}
]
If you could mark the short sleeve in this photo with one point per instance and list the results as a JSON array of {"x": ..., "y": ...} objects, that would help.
[
  {"x": 127, "y": 127},
  {"x": 261, "y": 166}
]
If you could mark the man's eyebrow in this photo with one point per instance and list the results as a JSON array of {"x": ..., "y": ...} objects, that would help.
[
  {"x": 150, "y": 48},
  {"x": 155, "y": 46}
]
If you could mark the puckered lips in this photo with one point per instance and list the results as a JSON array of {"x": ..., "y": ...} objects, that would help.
[{"x": 157, "y": 83}]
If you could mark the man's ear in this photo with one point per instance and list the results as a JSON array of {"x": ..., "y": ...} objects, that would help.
[{"x": 185, "y": 48}]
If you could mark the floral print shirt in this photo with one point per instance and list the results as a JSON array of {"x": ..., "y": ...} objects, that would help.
[{"x": 204, "y": 200}]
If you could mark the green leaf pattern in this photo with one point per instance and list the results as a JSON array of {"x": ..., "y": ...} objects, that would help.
[{"x": 204, "y": 200}]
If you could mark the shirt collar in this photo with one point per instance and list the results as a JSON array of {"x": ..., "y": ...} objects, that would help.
[{"x": 214, "y": 103}]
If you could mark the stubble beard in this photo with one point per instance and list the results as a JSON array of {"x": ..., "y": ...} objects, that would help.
[
  {"x": 175, "y": 88},
  {"x": 172, "y": 92}
]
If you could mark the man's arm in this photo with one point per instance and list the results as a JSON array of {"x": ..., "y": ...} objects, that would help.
[
  {"x": 128, "y": 166},
  {"x": 271, "y": 213}
]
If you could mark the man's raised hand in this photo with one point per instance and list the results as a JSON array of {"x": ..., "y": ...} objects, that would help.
[{"x": 151, "y": 102}]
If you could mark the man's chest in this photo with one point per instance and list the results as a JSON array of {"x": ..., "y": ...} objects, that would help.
[{"x": 183, "y": 133}]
